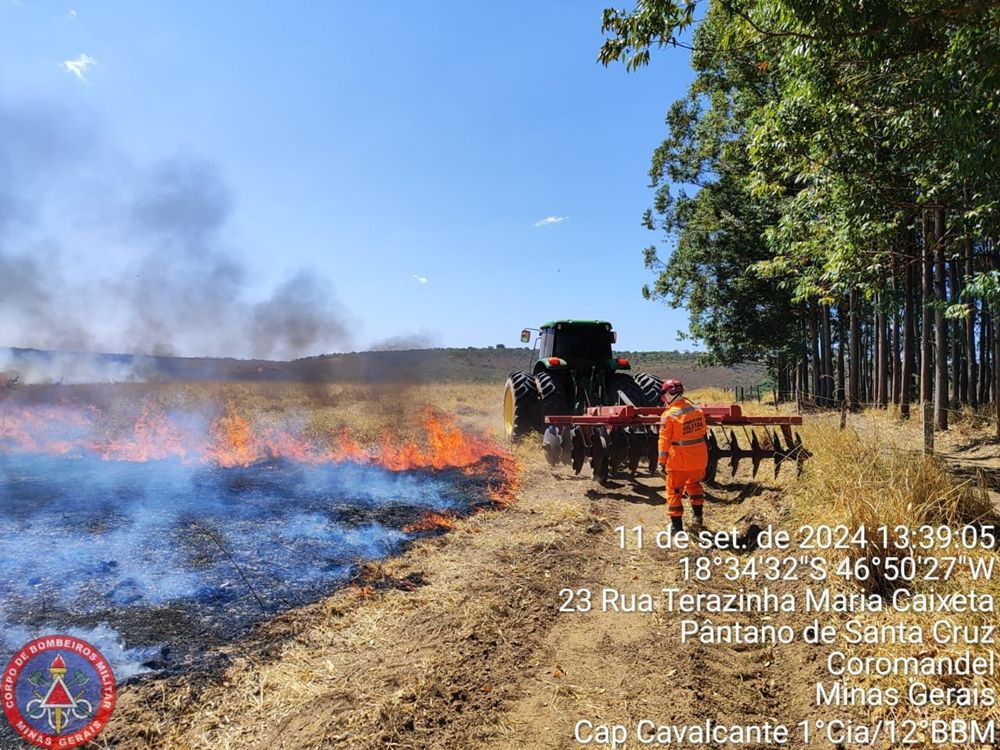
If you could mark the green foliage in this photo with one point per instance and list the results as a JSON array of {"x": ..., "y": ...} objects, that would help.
[
  {"x": 633, "y": 33},
  {"x": 811, "y": 138},
  {"x": 986, "y": 287}
]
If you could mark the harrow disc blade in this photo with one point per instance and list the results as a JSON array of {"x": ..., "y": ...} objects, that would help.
[
  {"x": 760, "y": 452},
  {"x": 619, "y": 449},
  {"x": 637, "y": 437},
  {"x": 599, "y": 454},
  {"x": 735, "y": 453},
  {"x": 552, "y": 445},
  {"x": 713, "y": 457},
  {"x": 779, "y": 453},
  {"x": 756, "y": 453},
  {"x": 579, "y": 449},
  {"x": 801, "y": 454},
  {"x": 653, "y": 449},
  {"x": 566, "y": 436}
]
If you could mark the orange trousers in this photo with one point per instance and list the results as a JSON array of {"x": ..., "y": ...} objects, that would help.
[{"x": 680, "y": 483}]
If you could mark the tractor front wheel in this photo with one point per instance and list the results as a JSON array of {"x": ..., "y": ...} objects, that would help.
[{"x": 521, "y": 414}]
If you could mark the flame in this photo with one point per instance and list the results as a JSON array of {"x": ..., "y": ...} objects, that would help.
[
  {"x": 345, "y": 448},
  {"x": 447, "y": 446},
  {"x": 431, "y": 522},
  {"x": 235, "y": 440},
  {"x": 153, "y": 438}
]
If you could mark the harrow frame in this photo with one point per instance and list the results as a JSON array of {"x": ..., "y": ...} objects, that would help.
[{"x": 613, "y": 436}]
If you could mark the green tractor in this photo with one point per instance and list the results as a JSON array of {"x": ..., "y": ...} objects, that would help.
[{"x": 572, "y": 368}]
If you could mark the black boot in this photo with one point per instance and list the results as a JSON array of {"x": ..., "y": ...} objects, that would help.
[
  {"x": 677, "y": 523},
  {"x": 699, "y": 520}
]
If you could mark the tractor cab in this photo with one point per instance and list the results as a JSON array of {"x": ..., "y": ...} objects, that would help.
[{"x": 580, "y": 345}]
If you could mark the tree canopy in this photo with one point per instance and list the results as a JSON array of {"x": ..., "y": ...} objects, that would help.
[{"x": 825, "y": 155}]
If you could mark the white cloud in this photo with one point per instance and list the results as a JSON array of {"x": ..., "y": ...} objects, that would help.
[
  {"x": 549, "y": 220},
  {"x": 420, "y": 279},
  {"x": 78, "y": 67},
  {"x": 72, "y": 13}
]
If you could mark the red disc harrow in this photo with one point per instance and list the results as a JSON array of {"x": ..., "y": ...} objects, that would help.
[{"x": 616, "y": 438}]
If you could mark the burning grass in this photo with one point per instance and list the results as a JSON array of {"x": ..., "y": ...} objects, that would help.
[
  {"x": 240, "y": 432},
  {"x": 432, "y": 522},
  {"x": 230, "y": 475}
]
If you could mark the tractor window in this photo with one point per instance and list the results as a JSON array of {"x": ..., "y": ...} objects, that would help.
[{"x": 591, "y": 343}]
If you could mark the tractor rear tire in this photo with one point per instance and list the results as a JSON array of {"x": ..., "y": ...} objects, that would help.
[
  {"x": 551, "y": 395},
  {"x": 521, "y": 410},
  {"x": 628, "y": 387},
  {"x": 651, "y": 388}
]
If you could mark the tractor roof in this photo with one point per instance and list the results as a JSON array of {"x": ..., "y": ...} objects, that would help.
[{"x": 554, "y": 323}]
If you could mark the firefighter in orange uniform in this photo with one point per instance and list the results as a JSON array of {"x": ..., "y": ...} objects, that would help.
[{"x": 683, "y": 452}]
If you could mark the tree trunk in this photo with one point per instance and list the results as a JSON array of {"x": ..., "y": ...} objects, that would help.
[
  {"x": 957, "y": 338},
  {"x": 985, "y": 353},
  {"x": 876, "y": 354},
  {"x": 895, "y": 368},
  {"x": 802, "y": 379},
  {"x": 817, "y": 374},
  {"x": 863, "y": 360},
  {"x": 906, "y": 372},
  {"x": 782, "y": 378},
  {"x": 996, "y": 373},
  {"x": 940, "y": 325},
  {"x": 804, "y": 356},
  {"x": 970, "y": 331},
  {"x": 841, "y": 352},
  {"x": 926, "y": 311},
  {"x": 827, "y": 355},
  {"x": 882, "y": 350},
  {"x": 867, "y": 362},
  {"x": 855, "y": 346}
]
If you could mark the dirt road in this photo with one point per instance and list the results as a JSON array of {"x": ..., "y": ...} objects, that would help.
[{"x": 612, "y": 668}]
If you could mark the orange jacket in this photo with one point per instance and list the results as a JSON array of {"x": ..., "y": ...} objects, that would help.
[{"x": 682, "y": 437}]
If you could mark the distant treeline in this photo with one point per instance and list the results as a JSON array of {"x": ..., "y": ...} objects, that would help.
[{"x": 471, "y": 364}]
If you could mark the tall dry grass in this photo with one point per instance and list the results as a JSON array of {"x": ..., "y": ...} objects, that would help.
[
  {"x": 862, "y": 478},
  {"x": 750, "y": 407}
]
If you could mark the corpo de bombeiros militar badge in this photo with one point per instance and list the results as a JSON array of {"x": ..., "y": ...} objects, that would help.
[{"x": 58, "y": 691}]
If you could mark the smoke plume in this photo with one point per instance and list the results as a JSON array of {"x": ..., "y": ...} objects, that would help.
[{"x": 98, "y": 254}]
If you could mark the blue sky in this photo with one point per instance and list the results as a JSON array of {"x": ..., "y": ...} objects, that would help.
[{"x": 406, "y": 153}]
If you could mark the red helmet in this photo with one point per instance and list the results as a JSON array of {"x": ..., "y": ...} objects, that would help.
[{"x": 672, "y": 388}]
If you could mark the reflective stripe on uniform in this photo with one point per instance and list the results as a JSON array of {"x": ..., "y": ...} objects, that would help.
[
  {"x": 679, "y": 410},
  {"x": 693, "y": 441}
]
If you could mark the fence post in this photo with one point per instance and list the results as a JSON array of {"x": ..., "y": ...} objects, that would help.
[
  {"x": 843, "y": 414},
  {"x": 928, "y": 428}
]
